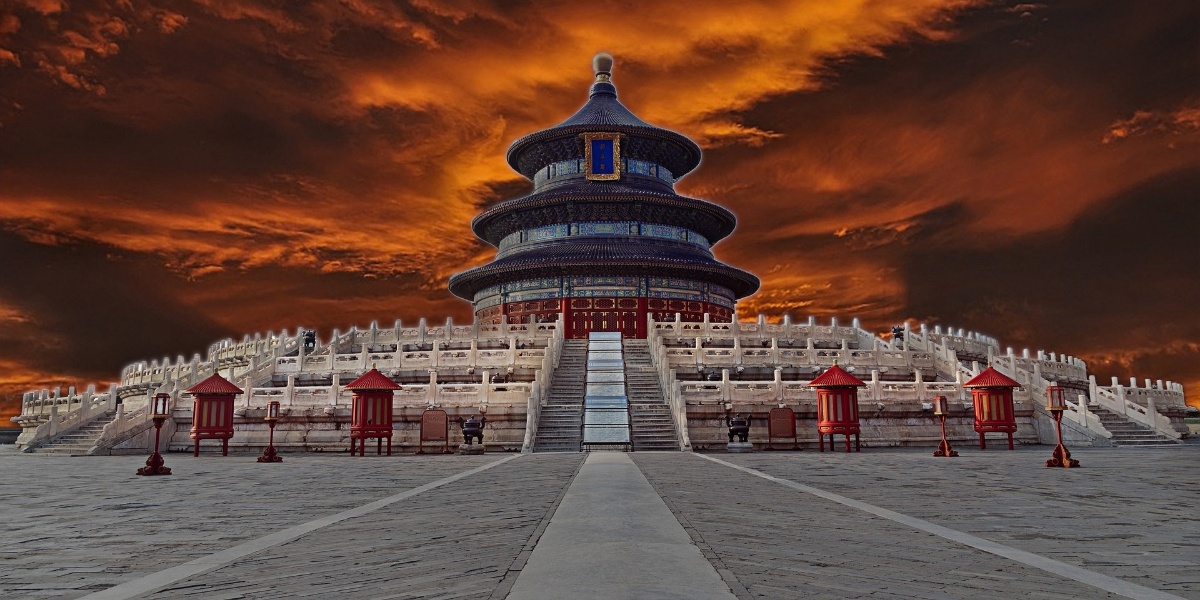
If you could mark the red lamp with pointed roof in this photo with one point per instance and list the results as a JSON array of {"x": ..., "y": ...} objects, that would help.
[
  {"x": 992, "y": 393},
  {"x": 371, "y": 411},
  {"x": 837, "y": 406},
  {"x": 212, "y": 412}
]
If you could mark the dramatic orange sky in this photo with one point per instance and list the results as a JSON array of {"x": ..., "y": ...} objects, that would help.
[{"x": 175, "y": 172}]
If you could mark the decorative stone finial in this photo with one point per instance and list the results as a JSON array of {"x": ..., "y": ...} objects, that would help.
[{"x": 602, "y": 64}]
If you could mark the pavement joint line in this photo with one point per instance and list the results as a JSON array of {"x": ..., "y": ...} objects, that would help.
[
  {"x": 1092, "y": 578},
  {"x": 161, "y": 579}
]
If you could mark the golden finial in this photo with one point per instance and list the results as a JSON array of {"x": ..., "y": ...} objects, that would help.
[{"x": 602, "y": 64}]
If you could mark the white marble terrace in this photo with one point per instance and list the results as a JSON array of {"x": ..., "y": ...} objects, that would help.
[
  {"x": 451, "y": 366},
  {"x": 700, "y": 363},
  {"x": 768, "y": 364}
]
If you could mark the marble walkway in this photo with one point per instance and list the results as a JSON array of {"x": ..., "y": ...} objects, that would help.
[{"x": 881, "y": 524}]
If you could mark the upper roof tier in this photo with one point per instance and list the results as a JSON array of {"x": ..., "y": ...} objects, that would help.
[
  {"x": 604, "y": 113},
  {"x": 617, "y": 202}
]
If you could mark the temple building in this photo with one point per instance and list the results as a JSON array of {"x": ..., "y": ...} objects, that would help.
[
  {"x": 604, "y": 239},
  {"x": 605, "y": 321}
]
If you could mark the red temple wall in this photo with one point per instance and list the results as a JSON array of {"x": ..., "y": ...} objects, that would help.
[{"x": 584, "y": 315}]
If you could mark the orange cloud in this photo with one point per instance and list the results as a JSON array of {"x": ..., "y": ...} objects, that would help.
[{"x": 1182, "y": 121}]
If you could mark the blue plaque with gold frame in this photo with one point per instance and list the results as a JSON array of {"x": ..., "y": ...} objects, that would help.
[{"x": 602, "y": 156}]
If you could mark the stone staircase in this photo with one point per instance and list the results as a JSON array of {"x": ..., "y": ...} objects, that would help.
[
  {"x": 562, "y": 417},
  {"x": 1128, "y": 433},
  {"x": 653, "y": 428},
  {"x": 77, "y": 442}
]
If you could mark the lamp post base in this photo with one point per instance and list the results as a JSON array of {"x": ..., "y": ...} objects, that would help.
[
  {"x": 944, "y": 449},
  {"x": 154, "y": 466},
  {"x": 269, "y": 454},
  {"x": 1062, "y": 458}
]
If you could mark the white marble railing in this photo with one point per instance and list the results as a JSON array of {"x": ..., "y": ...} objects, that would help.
[
  {"x": 125, "y": 426},
  {"x": 668, "y": 385},
  {"x": 1154, "y": 392},
  {"x": 264, "y": 350},
  {"x": 1035, "y": 386},
  {"x": 78, "y": 410},
  {"x": 542, "y": 380},
  {"x": 420, "y": 394},
  {"x": 1052, "y": 367},
  {"x": 760, "y": 330},
  {"x": 884, "y": 360},
  {"x": 413, "y": 360},
  {"x": 1114, "y": 399},
  {"x": 965, "y": 343},
  {"x": 791, "y": 392}
]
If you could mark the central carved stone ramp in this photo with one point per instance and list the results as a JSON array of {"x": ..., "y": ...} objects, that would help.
[
  {"x": 653, "y": 427},
  {"x": 1129, "y": 433},
  {"x": 77, "y": 442},
  {"x": 562, "y": 416},
  {"x": 605, "y": 405}
]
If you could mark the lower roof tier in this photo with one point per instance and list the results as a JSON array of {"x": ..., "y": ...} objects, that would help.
[
  {"x": 616, "y": 255},
  {"x": 603, "y": 202}
]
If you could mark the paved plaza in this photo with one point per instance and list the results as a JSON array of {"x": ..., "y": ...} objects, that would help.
[{"x": 881, "y": 524}]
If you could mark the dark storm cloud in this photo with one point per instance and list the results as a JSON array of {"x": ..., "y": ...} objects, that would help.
[
  {"x": 1123, "y": 278},
  {"x": 76, "y": 309},
  {"x": 1119, "y": 287}
]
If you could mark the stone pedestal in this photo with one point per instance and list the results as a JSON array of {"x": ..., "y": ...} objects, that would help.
[
  {"x": 471, "y": 449},
  {"x": 739, "y": 447}
]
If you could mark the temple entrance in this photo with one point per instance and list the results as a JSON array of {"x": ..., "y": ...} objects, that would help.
[
  {"x": 585, "y": 315},
  {"x": 582, "y": 316}
]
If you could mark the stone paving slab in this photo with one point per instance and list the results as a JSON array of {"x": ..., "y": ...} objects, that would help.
[
  {"x": 1115, "y": 516},
  {"x": 457, "y": 541},
  {"x": 72, "y": 526},
  {"x": 77, "y": 525}
]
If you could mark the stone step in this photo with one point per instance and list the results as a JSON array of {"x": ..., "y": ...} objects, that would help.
[{"x": 1126, "y": 432}]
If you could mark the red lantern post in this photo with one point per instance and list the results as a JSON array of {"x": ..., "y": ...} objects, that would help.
[
  {"x": 160, "y": 410},
  {"x": 837, "y": 406},
  {"x": 992, "y": 393},
  {"x": 1056, "y": 403},
  {"x": 212, "y": 412},
  {"x": 941, "y": 408},
  {"x": 371, "y": 411},
  {"x": 269, "y": 454}
]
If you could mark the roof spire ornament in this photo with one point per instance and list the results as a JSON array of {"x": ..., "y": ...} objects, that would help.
[{"x": 602, "y": 64}]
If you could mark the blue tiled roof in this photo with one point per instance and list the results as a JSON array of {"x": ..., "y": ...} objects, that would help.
[{"x": 603, "y": 256}]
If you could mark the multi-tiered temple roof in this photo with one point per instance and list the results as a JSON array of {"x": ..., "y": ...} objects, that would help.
[{"x": 604, "y": 238}]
